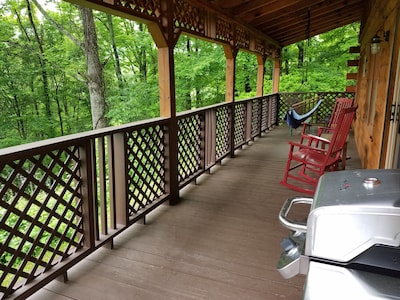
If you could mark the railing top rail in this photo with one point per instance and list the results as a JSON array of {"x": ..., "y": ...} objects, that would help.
[
  {"x": 16, "y": 151},
  {"x": 201, "y": 109}
]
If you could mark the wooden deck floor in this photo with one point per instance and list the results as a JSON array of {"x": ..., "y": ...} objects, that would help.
[{"x": 220, "y": 242}]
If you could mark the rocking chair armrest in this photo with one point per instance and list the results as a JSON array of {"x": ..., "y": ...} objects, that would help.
[
  {"x": 314, "y": 139},
  {"x": 305, "y": 126},
  {"x": 324, "y": 129},
  {"x": 306, "y": 146}
]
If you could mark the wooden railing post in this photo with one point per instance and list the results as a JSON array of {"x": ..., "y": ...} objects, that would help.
[
  {"x": 248, "y": 122},
  {"x": 171, "y": 174},
  {"x": 210, "y": 137},
  {"x": 88, "y": 204},
  {"x": 101, "y": 161},
  {"x": 111, "y": 180},
  {"x": 232, "y": 109},
  {"x": 260, "y": 111},
  {"x": 120, "y": 178}
]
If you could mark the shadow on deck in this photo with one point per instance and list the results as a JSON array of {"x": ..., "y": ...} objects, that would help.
[{"x": 220, "y": 242}]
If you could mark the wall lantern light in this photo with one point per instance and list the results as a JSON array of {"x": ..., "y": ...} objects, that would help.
[{"x": 376, "y": 40}]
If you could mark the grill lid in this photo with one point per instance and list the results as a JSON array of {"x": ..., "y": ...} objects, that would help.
[
  {"x": 352, "y": 212},
  {"x": 370, "y": 188}
]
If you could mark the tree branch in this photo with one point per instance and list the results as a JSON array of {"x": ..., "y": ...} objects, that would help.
[{"x": 58, "y": 26}]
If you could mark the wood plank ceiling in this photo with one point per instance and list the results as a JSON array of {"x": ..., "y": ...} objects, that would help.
[{"x": 289, "y": 21}]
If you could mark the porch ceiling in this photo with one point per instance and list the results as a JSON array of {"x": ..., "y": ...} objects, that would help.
[{"x": 289, "y": 21}]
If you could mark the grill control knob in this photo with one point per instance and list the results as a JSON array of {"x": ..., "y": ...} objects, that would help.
[
  {"x": 287, "y": 244},
  {"x": 290, "y": 247}
]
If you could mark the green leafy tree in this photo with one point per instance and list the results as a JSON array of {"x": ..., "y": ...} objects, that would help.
[
  {"x": 324, "y": 54},
  {"x": 199, "y": 73},
  {"x": 246, "y": 75},
  {"x": 44, "y": 84},
  {"x": 139, "y": 98}
]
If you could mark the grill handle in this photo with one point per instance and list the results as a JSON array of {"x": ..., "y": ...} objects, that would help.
[{"x": 283, "y": 214}]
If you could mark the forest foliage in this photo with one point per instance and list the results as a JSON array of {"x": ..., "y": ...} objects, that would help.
[{"x": 45, "y": 86}]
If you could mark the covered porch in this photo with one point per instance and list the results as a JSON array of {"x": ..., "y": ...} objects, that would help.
[{"x": 221, "y": 241}]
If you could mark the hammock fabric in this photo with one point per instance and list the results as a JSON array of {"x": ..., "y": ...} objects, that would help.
[{"x": 294, "y": 120}]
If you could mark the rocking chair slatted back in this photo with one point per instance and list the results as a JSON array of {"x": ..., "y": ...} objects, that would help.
[
  {"x": 340, "y": 104},
  {"x": 341, "y": 130}
]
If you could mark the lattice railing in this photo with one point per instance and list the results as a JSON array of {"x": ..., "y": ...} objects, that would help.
[
  {"x": 265, "y": 111},
  {"x": 146, "y": 167},
  {"x": 62, "y": 199},
  {"x": 274, "y": 109},
  {"x": 41, "y": 212},
  {"x": 222, "y": 135},
  {"x": 256, "y": 115},
  {"x": 286, "y": 100},
  {"x": 240, "y": 124},
  {"x": 189, "y": 146}
]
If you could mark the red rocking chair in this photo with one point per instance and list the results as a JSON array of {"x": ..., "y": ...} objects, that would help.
[{"x": 316, "y": 155}]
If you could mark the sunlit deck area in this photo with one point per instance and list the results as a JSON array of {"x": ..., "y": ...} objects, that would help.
[{"x": 220, "y": 242}]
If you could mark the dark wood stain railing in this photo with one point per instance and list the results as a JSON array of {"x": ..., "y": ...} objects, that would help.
[{"x": 63, "y": 198}]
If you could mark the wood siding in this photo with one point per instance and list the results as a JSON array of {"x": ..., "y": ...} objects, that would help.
[{"x": 375, "y": 75}]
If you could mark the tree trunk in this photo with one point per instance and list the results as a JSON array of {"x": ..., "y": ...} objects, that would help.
[
  {"x": 300, "y": 57},
  {"x": 43, "y": 67},
  {"x": 57, "y": 98},
  {"x": 118, "y": 71},
  {"x": 94, "y": 70},
  {"x": 188, "y": 101},
  {"x": 142, "y": 55}
]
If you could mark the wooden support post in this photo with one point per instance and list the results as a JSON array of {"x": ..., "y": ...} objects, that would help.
[
  {"x": 165, "y": 37},
  {"x": 260, "y": 74},
  {"x": 168, "y": 109},
  {"x": 166, "y": 82},
  {"x": 276, "y": 75},
  {"x": 230, "y": 55}
]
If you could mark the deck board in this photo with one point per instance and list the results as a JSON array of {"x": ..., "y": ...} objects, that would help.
[{"x": 220, "y": 242}]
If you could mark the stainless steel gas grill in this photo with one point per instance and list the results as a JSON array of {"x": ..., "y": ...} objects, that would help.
[{"x": 349, "y": 246}]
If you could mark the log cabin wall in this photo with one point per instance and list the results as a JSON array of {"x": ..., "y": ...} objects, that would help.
[{"x": 373, "y": 94}]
